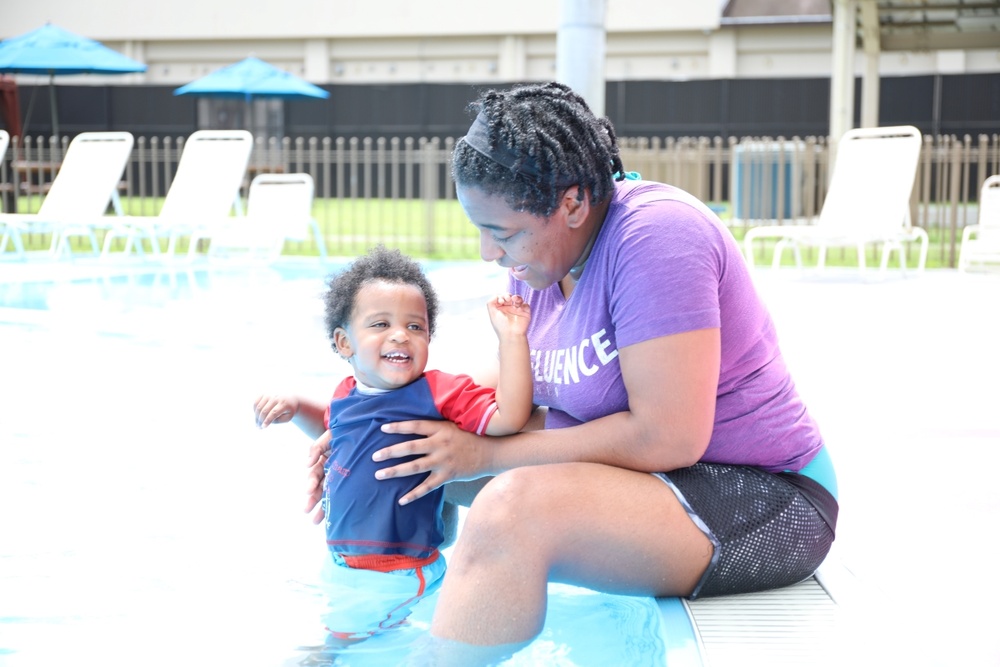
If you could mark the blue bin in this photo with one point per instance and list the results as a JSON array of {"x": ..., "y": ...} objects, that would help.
[{"x": 756, "y": 181}]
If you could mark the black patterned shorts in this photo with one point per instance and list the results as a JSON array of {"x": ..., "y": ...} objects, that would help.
[{"x": 768, "y": 529}]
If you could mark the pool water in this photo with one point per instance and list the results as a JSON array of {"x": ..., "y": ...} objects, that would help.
[{"x": 145, "y": 520}]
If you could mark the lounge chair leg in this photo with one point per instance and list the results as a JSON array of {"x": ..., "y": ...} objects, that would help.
[
  {"x": 887, "y": 249},
  {"x": 130, "y": 243},
  {"x": 15, "y": 238},
  {"x": 779, "y": 250},
  {"x": 54, "y": 246},
  {"x": 58, "y": 246},
  {"x": 924, "y": 243},
  {"x": 172, "y": 244},
  {"x": 798, "y": 256},
  {"x": 321, "y": 242},
  {"x": 95, "y": 247},
  {"x": 19, "y": 244},
  {"x": 109, "y": 238},
  {"x": 193, "y": 248},
  {"x": 748, "y": 251}
]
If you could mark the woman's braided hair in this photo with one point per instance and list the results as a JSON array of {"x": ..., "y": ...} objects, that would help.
[
  {"x": 552, "y": 128},
  {"x": 380, "y": 264}
]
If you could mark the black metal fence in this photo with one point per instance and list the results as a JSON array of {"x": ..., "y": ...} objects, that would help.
[{"x": 936, "y": 104}]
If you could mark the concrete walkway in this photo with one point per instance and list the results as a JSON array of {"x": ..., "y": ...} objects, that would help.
[{"x": 902, "y": 375}]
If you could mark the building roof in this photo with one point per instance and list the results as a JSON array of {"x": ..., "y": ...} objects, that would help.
[
  {"x": 770, "y": 9},
  {"x": 903, "y": 25},
  {"x": 926, "y": 25}
]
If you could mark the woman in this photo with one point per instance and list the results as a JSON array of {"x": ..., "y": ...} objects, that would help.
[{"x": 676, "y": 457}]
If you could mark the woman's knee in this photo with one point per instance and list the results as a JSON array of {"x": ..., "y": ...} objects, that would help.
[{"x": 508, "y": 511}]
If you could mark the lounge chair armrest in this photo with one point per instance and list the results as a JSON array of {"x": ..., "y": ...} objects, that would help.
[{"x": 968, "y": 231}]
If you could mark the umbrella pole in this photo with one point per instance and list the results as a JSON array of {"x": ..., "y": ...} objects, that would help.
[
  {"x": 27, "y": 114},
  {"x": 52, "y": 103}
]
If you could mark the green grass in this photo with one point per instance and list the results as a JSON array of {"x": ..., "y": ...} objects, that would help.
[
  {"x": 440, "y": 230},
  {"x": 437, "y": 230}
]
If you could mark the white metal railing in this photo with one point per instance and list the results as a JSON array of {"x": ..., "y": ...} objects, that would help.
[{"x": 398, "y": 191}]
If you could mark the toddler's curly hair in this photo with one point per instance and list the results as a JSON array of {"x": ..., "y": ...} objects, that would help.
[{"x": 380, "y": 263}]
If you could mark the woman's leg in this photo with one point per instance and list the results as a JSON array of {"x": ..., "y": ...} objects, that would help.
[
  {"x": 463, "y": 493},
  {"x": 457, "y": 494},
  {"x": 606, "y": 528}
]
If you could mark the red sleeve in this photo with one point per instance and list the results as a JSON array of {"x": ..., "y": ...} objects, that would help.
[
  {"x": 462, "y": 401},
  {"x": 343, "y": 389}
]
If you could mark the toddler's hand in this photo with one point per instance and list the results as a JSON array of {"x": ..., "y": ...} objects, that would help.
[
  {"x": 509, "y": 313},
  {"x": 274, "y": 410}
]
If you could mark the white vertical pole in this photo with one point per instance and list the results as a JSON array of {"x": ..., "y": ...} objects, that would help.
[
  {"x": 870, "y": 91},
  {"x": 842, "y": 73},
  {"x": 871, "y": 40},
  {"x": 580, "y": 49}
]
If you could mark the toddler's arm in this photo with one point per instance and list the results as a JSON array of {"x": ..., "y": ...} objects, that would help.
[
  {"x": 305, "y": 413},
  {"x": 509, "y": 316}
]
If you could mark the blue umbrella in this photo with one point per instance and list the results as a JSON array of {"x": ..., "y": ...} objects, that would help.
[
  {"x": 52, "y": 50},
  {"x": 250, "y": 78}
]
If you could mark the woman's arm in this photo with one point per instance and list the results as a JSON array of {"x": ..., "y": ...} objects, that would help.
[{"x": 671, "y": 382}]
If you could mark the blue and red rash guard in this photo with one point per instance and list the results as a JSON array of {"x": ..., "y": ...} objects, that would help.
[{"x": 364, "y": 521}]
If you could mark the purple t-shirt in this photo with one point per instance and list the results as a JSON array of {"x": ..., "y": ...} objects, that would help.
[{"x": 663, "y": 264}]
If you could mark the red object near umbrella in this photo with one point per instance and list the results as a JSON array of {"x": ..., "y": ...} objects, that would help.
[{"x": 10, "y": 106}]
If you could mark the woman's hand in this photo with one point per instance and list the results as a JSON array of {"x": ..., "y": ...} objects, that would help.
[
  {"x": 319, "y": 452},
  {"x": 446, "y": 452}
]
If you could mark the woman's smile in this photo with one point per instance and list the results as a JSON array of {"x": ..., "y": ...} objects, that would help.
[{"x": 519, "y": 271}]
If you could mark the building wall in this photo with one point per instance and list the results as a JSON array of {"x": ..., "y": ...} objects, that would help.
[
  {"x": 452, "y": 41},
  {"x": 312, "y": 19},
  {"x": 405, "y": 67}
]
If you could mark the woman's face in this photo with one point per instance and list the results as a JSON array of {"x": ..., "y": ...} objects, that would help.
[{"x": 538, "y": 251}]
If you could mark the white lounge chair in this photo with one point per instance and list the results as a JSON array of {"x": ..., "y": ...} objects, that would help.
[
  {"x": 868, "y": 201},
  {"x": 204, "y": 192},
  {"x": 981, "y": 242},
  {"x": 279, "y": 208},
  {"x": 87, "y": 181}
]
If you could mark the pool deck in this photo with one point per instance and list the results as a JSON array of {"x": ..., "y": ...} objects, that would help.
[{"x": 901, "y": 373}]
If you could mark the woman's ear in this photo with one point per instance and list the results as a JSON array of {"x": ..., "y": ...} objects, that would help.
[
  {"x": 343, "y": 343},
  {"x": 576, "y": 210}
]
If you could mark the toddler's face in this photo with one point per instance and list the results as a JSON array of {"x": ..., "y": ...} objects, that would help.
[{"x": 387, "y": 338}]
